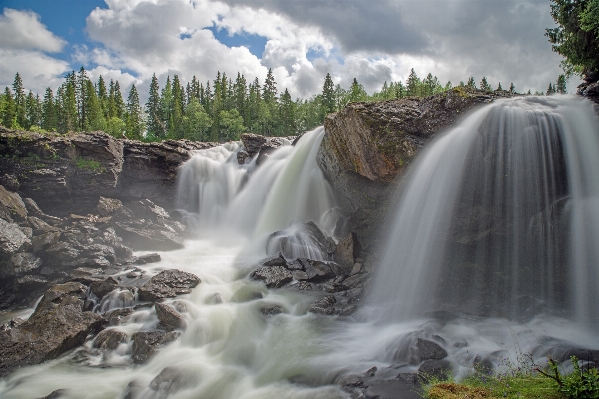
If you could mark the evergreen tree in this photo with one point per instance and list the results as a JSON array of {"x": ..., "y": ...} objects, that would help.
[
  {"x": 413, "y": 84},
  {"x": 196, "y": 122},
  {"x": 287, "y": 114},
  {"x": 166, "y": 106},
  {"x": 135, "y": 123},
  {"x": 19, "y": 101},
  {"x": 33, "y": 111},
  {"x": 499, "y": 88},
  {"x": 428, "y": 85},
  {"x": 448, "y": 86},
  {"x": 49, "y": 117},
  {"x": 240, "y": 97},
  {"x": 178, "y": 104},
  {"x": 484, "y": 85},
  {"x": 328, "y": 95},
  {"x": 550, "y": 90},
  {"x": 269, "y": 91},
  {"x": 471, "y": 84},
  {"x": 81, "y": 95},
  {"x": 94, "y": 117},
  {"x": 10, "y": 113},
  {"x": 119, "y": 103},
  {"x": 400, "y": 90},
  {"x": 560, "y": 85},
  {"x": 356, "y": 92},
  {"x": 230, "y": 125},
  {"x": 102, "y": 96},
  {"x": 67, "y": 105},
  {"x": 155, "y": 125},
  {"x": 512, "y": 88}
]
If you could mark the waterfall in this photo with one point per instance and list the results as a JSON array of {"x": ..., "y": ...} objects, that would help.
[{"x": 499, "y": 217}]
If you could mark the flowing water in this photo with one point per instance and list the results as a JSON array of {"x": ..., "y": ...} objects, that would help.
[{"x": 493, "y": 231}]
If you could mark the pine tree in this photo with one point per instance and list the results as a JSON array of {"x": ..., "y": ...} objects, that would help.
[
  {"x": 102, "y": 96},
  {"x": 10, "y": 113},
  {"x": 484, "y": 85},
  {"x": 118, "y": 101},
  {"x": 155, "y": 126},
  {"x": 400, "y": 90},
  {"x": 33, "y": 111},
  {"x": 269, "y": 91},
  {"x": 134, "y": 123},
  {"x": 428, "y": 85},
  {"x": 413, "y": 84},
  {"x": 81, "y": 95},
  {"x": 512, "y": 88},
  {"x": 66, "y": 105},
  {"x": 357, "y": 92},
  {"x": 177, "y": 106},
  {"x": 471, "y": 84},
  {"x": 287, "y": 114},
  {"x": 328, "y": 95},
  {"x": 94, "y": 116},
  {"x": 49, "y": 117},
  {"x": 240, "y": 96},
  {"x": 166, "y": 101},
  {"x": 19, "y": 97},
  {"x": 550, "y": 90},
  {"x": 499, "y": 88},
  {"x": 560, "y": 85}
]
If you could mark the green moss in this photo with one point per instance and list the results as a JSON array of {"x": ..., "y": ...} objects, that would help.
[{"x": 89, "y": 165}]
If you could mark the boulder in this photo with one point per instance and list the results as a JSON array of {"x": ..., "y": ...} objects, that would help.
[
  {"x": 146, "y": 343},
  {"x": 108, "y": 206},
  {"x": 109, "y": 339},
  {"x": 271, "y": 310},
  {"x": 324, "y": 306},
  {"x": 434, "y": 369},
  {"x": 118, "y": 316},
  {"x": 252, "y": 143},
  {"x": 273, "y": 276},
  {"x": 99, "y": 289},
  {"x": 40, "y": 227},
  {"x": 12, "y": 239},
  {"x": 427, "y": 350},
  {"x": 57, "y": 325},
  {"x": 148, "y": 258},
  {"x": 12, "y": 207},
  {"x": 167, "y": 284},
  {"x": 303, "y": 240},
  {"x": 170, "y": 319},
  {"x": 173, "y": 379},
  {"x": 346, "y": 252},
  {"x": 20, "y": 263},
  {"x": 267, "y": 148}
]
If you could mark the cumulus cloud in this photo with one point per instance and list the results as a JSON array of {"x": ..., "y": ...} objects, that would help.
[
  {"x": 23, "y": 30},
  {"x": 23, "y": 43}
]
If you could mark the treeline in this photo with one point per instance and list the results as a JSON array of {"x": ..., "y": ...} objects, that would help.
[{"x": 216, "y": 111}]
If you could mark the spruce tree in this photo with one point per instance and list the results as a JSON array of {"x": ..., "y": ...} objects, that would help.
[
  {"x": 550, "y": 90},
  {"x": 560, "y": 85},
  {"x": 33, "y": 111},
  {"x": 81, "y": 95},
  {"x": 19, "y": 101},
  {"x": 49, "y": 117},
  {"x": 471, "y": 84},
  {"x": 287, "y": 114},
  {"x": 512, "y": 88},
  {"x": 166, "y": 106},
  {"x": 155, "y": 126},
  {"x": 357, "y": 92},
  {"x": 102, "y": 96},
  {"x": 484, "y": 85},
  {"x": 118, "y": 101},
  {"x": 499, "y": 88},
  {"x": 134, "y": 123},
  {"x": 94, "y": 116},
  {"x": 10, "y": 113},
  {"x": 328, "y": 95},
  {"x": 413, "y": 84}
]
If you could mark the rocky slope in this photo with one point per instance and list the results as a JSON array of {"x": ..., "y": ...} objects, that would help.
[
  {"x": 367, "y": 145},
  {"x": 68, "y": 173}
]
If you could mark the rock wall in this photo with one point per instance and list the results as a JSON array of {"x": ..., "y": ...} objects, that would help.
[
  {"x": 68, "y": 173},
  {"x": 368, "y": 145}
]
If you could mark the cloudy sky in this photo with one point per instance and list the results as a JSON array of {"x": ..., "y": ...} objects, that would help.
[{"x": 301, "y": 40}]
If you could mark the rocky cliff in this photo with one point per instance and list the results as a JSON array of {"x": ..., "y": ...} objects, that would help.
[
  {"x": 68, "y": 173},
  {"x": 367, "y": 145}
]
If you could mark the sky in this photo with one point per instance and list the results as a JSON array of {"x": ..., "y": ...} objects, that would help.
[{"x": 301, "y": 40}]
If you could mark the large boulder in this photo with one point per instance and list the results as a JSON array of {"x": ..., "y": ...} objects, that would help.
[
  {"x": 147, "y": 343},
  {"x": 367, "y": 145},
  {"x": 57, "y": 325},
  {"x": 167, "y": 284}
]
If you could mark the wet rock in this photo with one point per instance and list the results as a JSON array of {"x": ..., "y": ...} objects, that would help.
[
  {"x": 118, "y": 316},
  {"x": 35, "y": 210},
  {"x": 145, "y": 344},
  {"x": 267, "y": 148},
  {"x": 12, "y": 239},
  {"x": 357, "y": 280},
  {"x": 346, "y": 252},
  {"x": 252, "y": 143},
  {"x": 173, "y": 379},
  {"x": 273, "y": 276},
  {"x": 301, "y": 240},
  {"x": 243, "y": 157},
  {"x": 274, "y": 260},
  {"x": 391, "y": 389},
  {"x": 170, "y": 319},
  {"x": 12, "y": 207},
  {"x": 271, "y": 310},
  {"x": 44, "y": 241},
  {"x": 30, "y": 285},
  {"x": 108, "y": 206},
  {"x": 57, "y": 325},
  {"x": 59, "y": 393},
  {"x": 99, "y": 251},
  {"x": 324, "y": 306},
  {"x": 99, "y": 289},
  {"x": 20, "y": 263},
  {"x": 427, "y": 350},
  {"x": 12, "y": 323},
  {"x": 148, "y": 258},
  {"x": 109, "y": 339},
  {"x": 434, "y": 369},
  {"x": 167, "y": 284},
  {"x": 62, "y": 253},
  {"x": 39, "y": 226}
]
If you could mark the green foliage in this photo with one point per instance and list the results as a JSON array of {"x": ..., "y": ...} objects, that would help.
[
  {"x": 116, "y": 127},
  {"x": 576, "y": 37},
  {"x": 580, "y": 384},
  {"x": 89, "y": 165}
]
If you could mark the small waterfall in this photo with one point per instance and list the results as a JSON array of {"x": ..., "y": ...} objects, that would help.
[
  {"x": 287, "y": 188},
  {"x": 500, "y": 217}
]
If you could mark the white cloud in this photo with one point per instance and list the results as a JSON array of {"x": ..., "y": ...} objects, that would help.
[
  {"x": 23, "y": 30},
  {"x": 38, "y": 71}
]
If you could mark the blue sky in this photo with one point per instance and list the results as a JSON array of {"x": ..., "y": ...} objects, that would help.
[{"x": 374, "y": 41}]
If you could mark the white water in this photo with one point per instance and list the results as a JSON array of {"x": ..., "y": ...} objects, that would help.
[
  {"x": 500, "y": 217},
  {"x": 230, "y": 349}
]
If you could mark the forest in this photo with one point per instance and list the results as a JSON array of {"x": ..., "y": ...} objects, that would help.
[{"x": 217, "y": 111}]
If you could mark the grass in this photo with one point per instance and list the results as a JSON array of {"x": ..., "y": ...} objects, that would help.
[
  {"x": 521, "y": 381},
  {"x": 89, "y": 165}
]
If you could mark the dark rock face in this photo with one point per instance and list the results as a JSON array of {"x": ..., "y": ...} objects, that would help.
[
  {"x": 145, "y": 344},
  {"x": 109, "y": 339},
  {"x": 69, "y": 173},
  {"x": 257, "y": 145},
  {"x": 167, "y": 284},
  {"x": 273, "y": 276},
  {"x": 367, "y": 145},
  {"x": 57, "y": 325}
]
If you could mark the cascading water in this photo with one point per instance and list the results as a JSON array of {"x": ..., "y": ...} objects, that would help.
[{"x": 500, "y": 217}]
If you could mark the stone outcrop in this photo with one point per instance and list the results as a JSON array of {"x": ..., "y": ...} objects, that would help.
[
  {"x": 68, "y": 173},
  {"x": 589, "y": 88},
  {"x": 167, "y": 284},
  {"x": 367, "y": 145}
]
